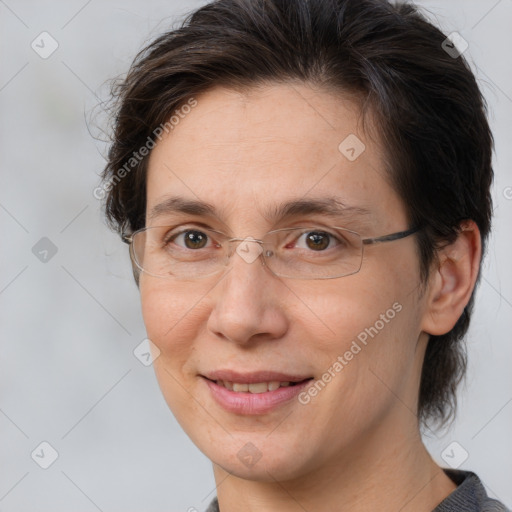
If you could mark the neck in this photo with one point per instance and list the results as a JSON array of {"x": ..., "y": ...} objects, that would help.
[{"x": 387, "y": 470}]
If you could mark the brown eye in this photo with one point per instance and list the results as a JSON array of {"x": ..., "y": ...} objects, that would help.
[
  {"x": 194, "y": 239},
  {"x": 187, "y": 239},
  {"x": 317, "y": 240}
]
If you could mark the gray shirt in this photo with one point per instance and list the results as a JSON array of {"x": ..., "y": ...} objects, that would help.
[{"x": 470, "y": 496}]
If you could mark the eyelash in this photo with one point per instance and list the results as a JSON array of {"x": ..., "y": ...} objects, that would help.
[{"x": 172, "y": 236}]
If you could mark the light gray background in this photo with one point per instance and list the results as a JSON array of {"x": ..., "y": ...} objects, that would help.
[{"x": 69, "y": 326}]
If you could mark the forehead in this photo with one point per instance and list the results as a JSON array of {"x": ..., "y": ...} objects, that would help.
[{"x": 248, "y": 152}]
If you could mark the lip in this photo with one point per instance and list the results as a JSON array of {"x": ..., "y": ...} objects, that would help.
[
  {"x": 246, "y": 403},
  {"x": 253, "y": 377}
]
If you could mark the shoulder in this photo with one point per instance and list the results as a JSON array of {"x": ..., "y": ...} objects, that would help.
[
  {"x": 470, "y": 495},
  {"x": 213, "y": 506}
]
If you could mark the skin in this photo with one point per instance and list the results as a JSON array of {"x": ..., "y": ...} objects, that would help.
[{"x": 356, "y": 446}]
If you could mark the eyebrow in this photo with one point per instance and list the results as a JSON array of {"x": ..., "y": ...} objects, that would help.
[{"x": 328, "y": 206}]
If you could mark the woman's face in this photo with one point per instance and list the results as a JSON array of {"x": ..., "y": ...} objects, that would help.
[{"x": 357, "y": 338}]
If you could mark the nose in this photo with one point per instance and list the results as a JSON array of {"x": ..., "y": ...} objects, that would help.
[{"x": 247, "y": 303}]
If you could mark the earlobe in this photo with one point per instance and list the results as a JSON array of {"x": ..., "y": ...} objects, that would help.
[{"x": 453, "y": 280}]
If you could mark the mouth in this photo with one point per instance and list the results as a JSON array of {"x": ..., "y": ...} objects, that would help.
[
  {"x": 253, "y": 393},
  {"x": 255, "y": 387}
]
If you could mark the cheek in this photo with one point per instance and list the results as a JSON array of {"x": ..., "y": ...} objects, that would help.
[
  {"x": 372, "y": 324},
  {"x": 348, "y": 306},
  {"x": 173, "y": 316}
]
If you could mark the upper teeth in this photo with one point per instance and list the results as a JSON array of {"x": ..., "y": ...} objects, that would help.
[{"x": 256, "y": 387}]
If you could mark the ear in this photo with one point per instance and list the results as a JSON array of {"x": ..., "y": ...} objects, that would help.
[{"x": 452, "y": 282}]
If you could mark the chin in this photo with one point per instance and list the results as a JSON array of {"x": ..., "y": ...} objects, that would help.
[{"x": 255, "y": 458}]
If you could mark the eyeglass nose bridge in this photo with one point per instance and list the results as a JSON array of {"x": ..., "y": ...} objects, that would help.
[{"x": 250, "y": 249}]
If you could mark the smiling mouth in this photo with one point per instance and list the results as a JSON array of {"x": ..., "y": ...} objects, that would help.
[{"x": 256, "y": 387}]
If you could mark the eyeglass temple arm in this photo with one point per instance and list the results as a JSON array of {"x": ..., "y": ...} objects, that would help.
[{"x": 391, "y": 237}]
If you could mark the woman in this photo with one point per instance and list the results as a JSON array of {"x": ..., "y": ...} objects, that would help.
[{"x": 305, "y": 188}]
